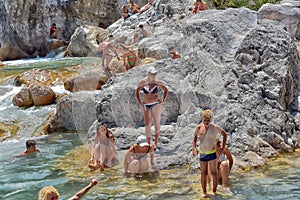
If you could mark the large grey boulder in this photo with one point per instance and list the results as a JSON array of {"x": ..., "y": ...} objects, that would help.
[
  {"x": 287, "y": 12},
  {"x": 247, "y": 73},
  {"x": 24, "y": 25}
]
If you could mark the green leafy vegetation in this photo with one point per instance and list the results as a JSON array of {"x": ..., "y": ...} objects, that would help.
[{"x": 251, "y": 4}]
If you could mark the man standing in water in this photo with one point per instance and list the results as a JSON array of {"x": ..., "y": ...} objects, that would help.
[{"x": 208, "y": 157}]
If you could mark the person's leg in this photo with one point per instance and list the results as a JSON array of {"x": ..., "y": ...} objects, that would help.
[
  {"x": 108, "y": 60},
  {"x": 204, "y": 171},
  {"x": 96, "y": 154},
  {"x": 147, "y": 121},
  {"x": 213, "y": 169},
  {"x": 144, "y": 164},
  {"x": 102, "y": 156},
  {"x": 156, "y": 114},
  {"x": 224, "y": 171},
  {"x": 134, "y": 167}
]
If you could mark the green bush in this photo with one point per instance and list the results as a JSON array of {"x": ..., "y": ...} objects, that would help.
[{"x": 251, "y": 4}]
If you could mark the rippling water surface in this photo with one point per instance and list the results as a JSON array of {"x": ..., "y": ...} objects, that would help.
[{"x": 23, "y": 177}]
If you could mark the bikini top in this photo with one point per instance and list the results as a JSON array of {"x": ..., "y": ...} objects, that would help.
[
  {"x": 138, "y": 156},
  {"x": 151, "y": 91}
]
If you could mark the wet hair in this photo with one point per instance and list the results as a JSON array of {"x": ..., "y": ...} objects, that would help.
[
  {"x": 30, "y": 143},
  {"x": 141, "y": 26},
  {"x": 207, "y": 114},
  {"x": 45, "y": 193}
]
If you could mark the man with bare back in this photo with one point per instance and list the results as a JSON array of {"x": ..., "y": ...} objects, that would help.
[
  {"x": 207, "y": 133},
  {"x": 109, "y": 50}
]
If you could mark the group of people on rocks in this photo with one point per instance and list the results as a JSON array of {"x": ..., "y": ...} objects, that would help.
[{"x": 215, "y": 159}]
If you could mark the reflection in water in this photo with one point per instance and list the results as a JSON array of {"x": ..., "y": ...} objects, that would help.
[{"x": 62, "y": 163}]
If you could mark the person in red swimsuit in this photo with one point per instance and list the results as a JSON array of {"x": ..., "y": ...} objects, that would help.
[
  {"x": 199, "y": 5},
  {"x": 53, "y": 31}
]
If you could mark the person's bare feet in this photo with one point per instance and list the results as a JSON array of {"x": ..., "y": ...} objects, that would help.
[
  {"x": 101, "y": 167},
  {"x": 205, "y": 195}
]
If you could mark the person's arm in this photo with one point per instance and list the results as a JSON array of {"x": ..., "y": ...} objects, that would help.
[
  {"x": 165, "y": 89},
  {"x": 229, "y": 157},
  {"x": 151, "y": 156},
  {"x": 124, "y": 58},
  {"x": 137, "y": 92},
  {"x": 94, "y": 146},
  {"x": 127, "y": 156},
  {"x": 194, "y": 142},
  {"x": 224, "y": 140},
  {"x": 82, "y": 192}
]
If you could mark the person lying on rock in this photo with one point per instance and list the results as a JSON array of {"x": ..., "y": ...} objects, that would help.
[
  {"x": 136, "y": 159},
  {"x": 147, "y": 6},
  {"x": 103, "y": 150}
]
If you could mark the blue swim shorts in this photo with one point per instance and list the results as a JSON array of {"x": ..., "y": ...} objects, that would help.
[{"x": 208, "y": 157}]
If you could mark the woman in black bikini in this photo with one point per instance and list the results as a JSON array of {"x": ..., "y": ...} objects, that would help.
[
  {"x": 136, "y": 159},
  {"x": 152, "y": 104}
]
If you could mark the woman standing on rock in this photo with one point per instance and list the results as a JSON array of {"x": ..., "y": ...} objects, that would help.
[
  {"x": 152, "y": 103},
  {"x": 103, "y": 150}
]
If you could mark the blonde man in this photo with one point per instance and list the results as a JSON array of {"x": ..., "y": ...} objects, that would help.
[
  {"x": 50, "y": 193},
  {"x": 207, "y": 133}
]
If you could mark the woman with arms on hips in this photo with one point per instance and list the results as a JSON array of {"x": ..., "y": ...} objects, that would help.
[
  {"x": 151, "y": 103},
  {"x": 103, "y": 150}
]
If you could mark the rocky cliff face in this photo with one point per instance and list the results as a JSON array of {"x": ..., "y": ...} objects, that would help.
[
  {"x": 245, "y": 70},
  {"x": 24, "y": 25}
]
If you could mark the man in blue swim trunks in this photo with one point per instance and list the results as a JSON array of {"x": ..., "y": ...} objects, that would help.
[{"x": 207, "y": 133}]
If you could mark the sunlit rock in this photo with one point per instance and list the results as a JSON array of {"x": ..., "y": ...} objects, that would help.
[{"x": 34, "y": 95}]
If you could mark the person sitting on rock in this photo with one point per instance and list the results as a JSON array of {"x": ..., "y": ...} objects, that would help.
[
  {"x": 174, "y": 54},
  {"x": 136, "y": 158},
  {"x": 129, "y": 57},
  {"x": 103, "y": 150},
  {"x": 56, "y": 33},
  {"x": 199, "y": 5},
  {"x": 53, "y": 31},
  {"x": 147, "y": 6},
  {"x": 30, "y": 148},
  {"x": 140, "y": 34},
  {"x": 130, "y": 9}
]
